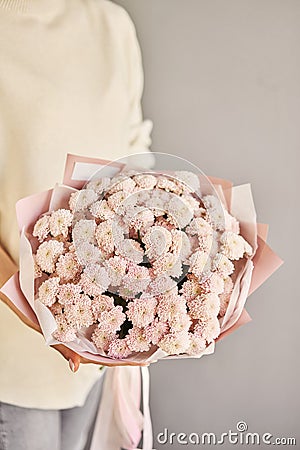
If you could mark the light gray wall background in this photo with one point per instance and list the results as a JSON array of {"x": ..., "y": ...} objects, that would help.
[{"x": 222, "y": 87}]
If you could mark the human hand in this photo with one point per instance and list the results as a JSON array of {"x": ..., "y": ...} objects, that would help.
[{"x": 75, "y": 359}]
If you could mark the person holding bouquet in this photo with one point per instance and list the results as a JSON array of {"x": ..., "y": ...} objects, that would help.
[{"x": 71, "y": 81}]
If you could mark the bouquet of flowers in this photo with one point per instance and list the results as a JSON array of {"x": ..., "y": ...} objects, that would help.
[{"x": 138, "y": 265}]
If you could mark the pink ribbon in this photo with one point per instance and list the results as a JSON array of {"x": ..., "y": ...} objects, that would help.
[{"x": 120, "y": 422}]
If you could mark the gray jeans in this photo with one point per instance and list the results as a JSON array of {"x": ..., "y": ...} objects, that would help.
[{"x": 39, "y": 429}]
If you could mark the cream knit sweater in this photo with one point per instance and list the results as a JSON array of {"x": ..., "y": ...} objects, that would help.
[{"x": 71, "y": 80}]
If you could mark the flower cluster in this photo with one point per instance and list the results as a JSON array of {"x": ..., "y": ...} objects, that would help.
[{"x": 138, "y": 262}]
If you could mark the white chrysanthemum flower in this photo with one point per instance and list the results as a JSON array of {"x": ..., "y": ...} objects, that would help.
[
  {"x": 48, "y": 291},
  {"x": 101, "y": 210},
  {"x": 84, "y": 231},
  {"x": 189, "y": 179},
  {"x": 233, "y": 245},
  {"x": 175, "y": 343},
  {"x": 81, "y": 200},
  {"x": 122, "y": 183},
  {"x": 180, "y": 213},
  {"x": 222, "y": 265},
  {"x": 41, "y": 228},
  {"x": 130, "y": 249},
  {"x": 191, "y": 202},
  {"x": 48, "y": 253}
]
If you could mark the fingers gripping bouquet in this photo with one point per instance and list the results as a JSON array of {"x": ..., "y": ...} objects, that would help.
[{"x": 139, "y": 265}]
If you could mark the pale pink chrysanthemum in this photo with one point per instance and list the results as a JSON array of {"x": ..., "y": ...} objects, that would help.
[
  {"x": 161, "y": 285},
  {"x": 112, "y": 320},
  {"x": 212, "y": 282},
  {"x": 189, "y": 179},
  {"x": 118, "y": 349},
  {"x": 69, "y": 293},
  {"x": 122, "y": 183},
  {"x": 36, "y": 268},
  {"x": 168, "y": 264},
  {"x": 84, "y": 231},
  {"x": 210, "y": 304},
  {"x": 190, "y": 289},
  {"x": 79, "y": 314},
  {"x": 102, "y": 339},
  {"x": 41, "y": 228},
  {"x": 170, "y": 305},
  {"x": 199, "y": 261},
  {"x": 81, "y": 200},
  {"x": 101, "y": 303},
  {"x": 210, "y": 201},
  {"x": 199, "y": 227},
  {"x": 65, "y": 332},
  {"x": 68, "y": 267},
  {"x": 191, "y": 202},
  {"x": 60, "y": 222},
  {"x": 231, "y": 223},
  {"x": 180, "y": 322},
  {"x": 47, "y": 254},
  {"x": 94, "y": 280},
  {"x": 116, "y": 269},
  {"x": 116, "y": 200},
  {"x": 175, "y": 343},
  {"x": 157, "y": 241},
  {"x": 197, "y": 345},
  {"x": 181, "y": 245},
  {"x": 48, "y": 291},
  {"x": 108, "y": 233},
  {"x": 222, "y": 265},
  {"x": 56, "y": 308},
  {"x": 88, "y": 254},
  {"x": 208, "y": 329},
  {"x": 131, "y": 250},
  {"x": 99, "y": 185},
  {"x": 168, "y": 185},
  {"x": 225, "y": 296},
  {"x": 101, "y": 210},
  {"x": 233, "y": 245},
  {"x": 156, "y": 330},
  {"x": 136, "y": 340},
  {"x": 165, "y": 222},
  {"x": 137, "y": 278},
  {"x": 141, "y": 311},
  {"x": 196, "y": 308},
  {"x": 180, "y": 213},
  {"x": 141, "y": 218},
  {"x": 216, "y": 217},
  {"x": 145, "y": 181}
]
